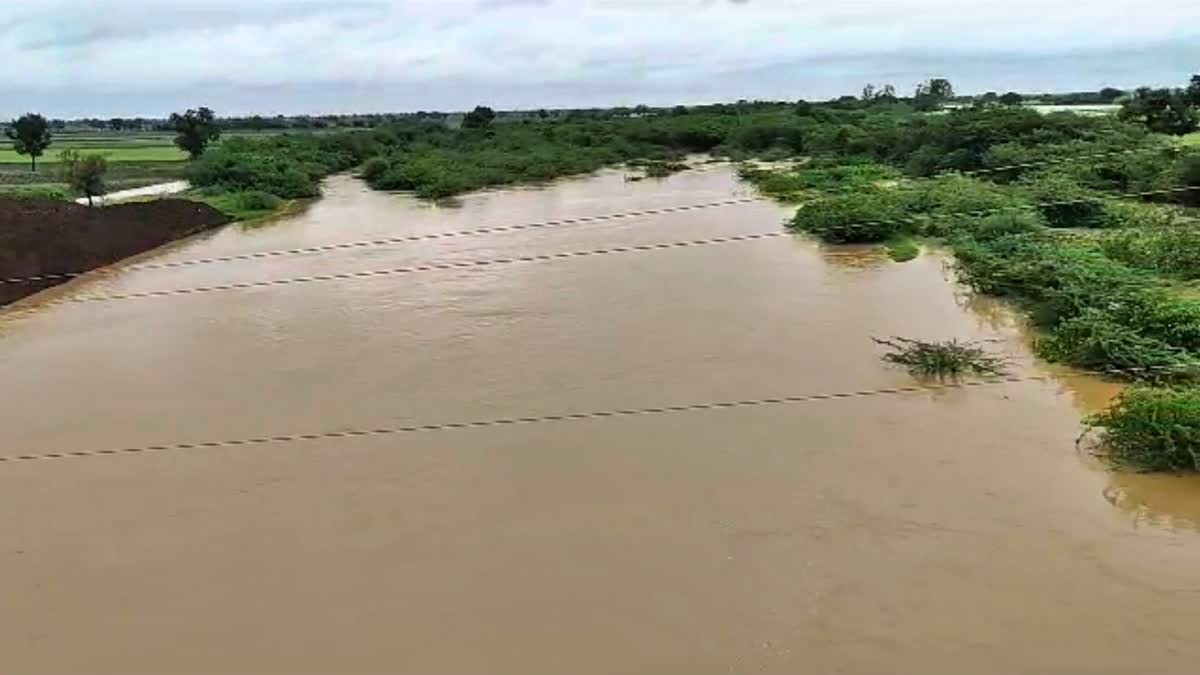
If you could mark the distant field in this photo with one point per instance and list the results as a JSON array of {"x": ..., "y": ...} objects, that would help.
[
  {"x": 1192, "y": 139},
  {"x": 133, "y": 152}
]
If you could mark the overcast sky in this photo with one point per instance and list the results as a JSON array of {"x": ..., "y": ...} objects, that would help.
[{"x": 148, "y": 57}]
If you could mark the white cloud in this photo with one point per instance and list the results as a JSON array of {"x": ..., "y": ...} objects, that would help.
[{"x": 114, "y": 46}]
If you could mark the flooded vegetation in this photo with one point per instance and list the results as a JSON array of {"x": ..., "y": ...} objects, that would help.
[
  {"x": 835, "y": 533},
  {"x": 879, "y": 384},
  {"x": 942, "y": 359}
]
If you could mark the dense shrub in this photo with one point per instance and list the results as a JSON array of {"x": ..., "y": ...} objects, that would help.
[
  {"x": 1098, "y": 341},
  {"x": 288, "y": 166},
  {"x": 1187, "y": 174},
  {"x": 257, "y": 200},
  {"x": 855, "y": 218},
  {"x": 810, "y": 178},
  {"x": 1100, "y": 313},
  {"x": 242, "y": 205},
  {"x": 1063, "y": 201},
  {"x": 1153, "y": 429},
  {"x": 373, "y": 168},
  {"x": 1173, "y": 250}
]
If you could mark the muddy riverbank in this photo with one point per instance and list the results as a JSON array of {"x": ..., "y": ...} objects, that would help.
[
  {"x": 956, "y": 531},
  {"x": 54, "y": 240}
]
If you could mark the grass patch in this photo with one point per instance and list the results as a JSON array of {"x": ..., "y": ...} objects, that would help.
[
  {"x": 902, "y": 249},
  {"x": 241, "y": 206},
  {"x": 1152, "y": 429},
  {"x": 942, "y": 359},
  {"x": 112, "y": 152},
  {"x": 44, "y": 191}
]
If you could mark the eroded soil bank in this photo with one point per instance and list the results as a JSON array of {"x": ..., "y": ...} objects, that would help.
[{"x": 42, "y": 237}]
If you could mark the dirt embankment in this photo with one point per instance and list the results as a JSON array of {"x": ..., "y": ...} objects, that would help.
[{"x": 46, "y": 237}]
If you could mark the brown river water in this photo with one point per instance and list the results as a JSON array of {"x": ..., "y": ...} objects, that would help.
[{"x": 956, "y": 531}]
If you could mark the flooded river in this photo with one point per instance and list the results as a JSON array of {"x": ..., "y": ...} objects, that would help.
[{"x": 956, "y": 531}]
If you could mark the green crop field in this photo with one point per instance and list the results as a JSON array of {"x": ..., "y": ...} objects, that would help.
[
  {"x": 115, "y": 152},
  {"x": 1192, "y": 139}
]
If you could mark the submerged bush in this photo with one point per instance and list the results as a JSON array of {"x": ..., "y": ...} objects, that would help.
[
  {"x": 1153, "y": 429},
  {"x": 949, "y": 358},
  {"x": 662, "y": 169},
  {"x": 902, "y": 248}
]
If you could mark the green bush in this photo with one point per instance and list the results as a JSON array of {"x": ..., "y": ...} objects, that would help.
[
  {"x": 902, "y": 249},
  {"x": 1188, "y": 174},
  {"x": 1063, "y": 201},
  {"x": 373, "y": 169},
  {"x": 241, "y": 205},
  {"x": 1123, "y": 214},
  {"x": 856, "y": 218},
  {"x": 257, "y": 200},
  {"x": 1153, "y": 429},
  {"x": 995, "y": 225},
  {"x": 1169, "y": 250},
  {"x": 1097, "y": 341},
  {"x": 288, "y": 166},
  {"x": 1100, "y": 313}
]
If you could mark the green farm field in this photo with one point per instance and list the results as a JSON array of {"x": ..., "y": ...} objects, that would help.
[{"x": 133, "y": 152}]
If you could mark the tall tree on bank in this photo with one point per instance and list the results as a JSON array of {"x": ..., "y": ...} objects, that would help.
[
  {"x": 84, "y": 173},
  {"x": 30, "y": 135},
  {"x": 194, "y": 130}
]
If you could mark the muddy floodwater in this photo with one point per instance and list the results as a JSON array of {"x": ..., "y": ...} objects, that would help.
[{"x": 957, "y": 531}]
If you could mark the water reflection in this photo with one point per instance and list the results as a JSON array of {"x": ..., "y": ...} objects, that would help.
[
  {"x": 1166, "y": 501},
  {"x": 855, "y": 257}
]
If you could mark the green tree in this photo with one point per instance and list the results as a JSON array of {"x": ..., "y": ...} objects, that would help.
[
  {"x": 30, "y": 135},
  {"x": 930, "y": 95},
  {"x": 1110, "y": 94},
  {"x": 479, "y": 118},
  {"x": 84, "y": 173},
  {"x": 1193, "y": 91},
  {"x": 1164, "y": 111},
  {"x": 194, "y": 130},
  {"x": 885, "y": 92},
  {"x": 1011, "y": 98}
]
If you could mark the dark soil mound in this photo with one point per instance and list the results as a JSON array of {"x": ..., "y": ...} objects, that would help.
[{"x": 46, "y": 237}]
